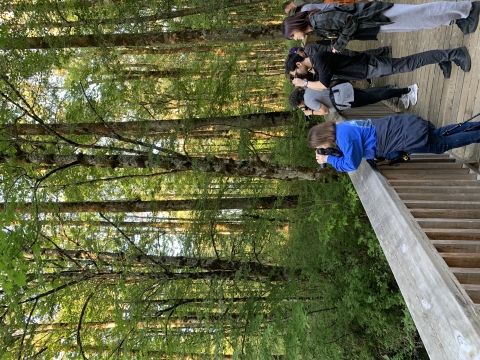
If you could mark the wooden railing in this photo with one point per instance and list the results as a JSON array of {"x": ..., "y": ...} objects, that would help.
[{"x": 426, "y": 216}]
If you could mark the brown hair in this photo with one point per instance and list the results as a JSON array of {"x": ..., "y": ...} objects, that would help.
[
  {"x": 322, "y": 135},
  {"x": 299, "y": 21}
]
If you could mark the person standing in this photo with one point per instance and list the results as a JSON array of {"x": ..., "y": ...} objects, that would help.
[
  {"x": 324, "y": 65},
  {"x": 365, "y": 20}
]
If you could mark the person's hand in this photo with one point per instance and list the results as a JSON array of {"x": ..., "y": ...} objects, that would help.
[
  {"x": 307, "y": 112},
  {"x": 298, "y": 82},
  {"x": 321, "y": 159},
  {"x": 334, "y": 51}
]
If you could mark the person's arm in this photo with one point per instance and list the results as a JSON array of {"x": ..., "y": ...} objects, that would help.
[
  {"x": 348, "y": 25},
  {"x": 315, "y": 85},
  {"x": 351, "y": 159},
  {"x": 323, "y": 110}
]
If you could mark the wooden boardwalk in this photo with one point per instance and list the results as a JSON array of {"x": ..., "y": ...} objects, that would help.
[{"x": 442, "y": 101}]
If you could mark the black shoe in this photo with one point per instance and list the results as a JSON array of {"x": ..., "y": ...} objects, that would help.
[
  {"x": 462, "y": 59},
  {"x": 463, "y": 25},
  {"x": 369, "y": 81},
  {"x": 472, "y": 18},
  {"x": 446, "y": 67}
]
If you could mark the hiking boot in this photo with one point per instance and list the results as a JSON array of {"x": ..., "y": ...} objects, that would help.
[
  {"x": 462, "y": 59},
  {"x": 446, "y": 67},
  {"x": 463, "y": 25},
  {"x": 472, "y": 18}
]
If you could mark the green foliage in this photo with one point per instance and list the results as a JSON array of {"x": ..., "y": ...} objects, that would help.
[{"x": 308, "y": 283}]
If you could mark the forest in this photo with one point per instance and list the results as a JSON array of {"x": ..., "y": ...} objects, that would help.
[{"x": 159, "y": 200}]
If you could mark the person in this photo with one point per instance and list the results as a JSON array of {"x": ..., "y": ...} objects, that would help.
[
  {"x": 369, "y": 139},
  {"x": 344, "y": 96},
  {"x": 365, "y": 20},
  {"x": 310, "y": 50},
  {"x": 325, "y": 64}
]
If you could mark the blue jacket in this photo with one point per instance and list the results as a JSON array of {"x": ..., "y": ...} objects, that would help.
[{"x": 367, "y": 139}]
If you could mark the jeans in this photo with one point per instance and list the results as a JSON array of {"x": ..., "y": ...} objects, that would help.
[
  {"x": 438, "y": 144},
  {"x": 383, "y": 66}
]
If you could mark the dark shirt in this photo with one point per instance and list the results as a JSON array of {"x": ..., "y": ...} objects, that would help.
[{"x": 327, "y": 64}]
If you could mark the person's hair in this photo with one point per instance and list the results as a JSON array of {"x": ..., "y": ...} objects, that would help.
[
  {"x": 285, "y": 4},
  {"x": 322, "y": 135},
  {"x": 291, "y": 62},
  {"x": 299, "y": 21},
  {"x": 296, "y": 97}
]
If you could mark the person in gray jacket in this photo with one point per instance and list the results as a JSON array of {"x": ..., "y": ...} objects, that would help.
[{"x": 345, "y": 96}]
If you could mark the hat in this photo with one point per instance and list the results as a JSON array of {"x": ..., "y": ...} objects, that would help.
[{"x": 293, "y": 50}]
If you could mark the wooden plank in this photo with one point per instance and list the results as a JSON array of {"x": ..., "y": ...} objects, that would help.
[
  {"x": 403, "y": 176},
  {"x": 425, "y": 204},
  {"x": 424, "y": 165},
  {"x": 432, "y": 183},
  {"x": 473, "y": 290},
  {"x": 452, "y": 234},
  {"x": 464, "y": 260},
  {"x": 439, "y": 223},
  {"x": 438, "y": 189},
  {"x": 466, "y": 275},
  {"x": 457, "y": 246},
  {"x": 442, "y": 311},
  {"x": 419, "y": 213},
  {"x": 451, "y": 172},
  {"x": 436, "y": 196}
]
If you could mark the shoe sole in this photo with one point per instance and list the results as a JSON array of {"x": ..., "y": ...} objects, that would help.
[
  {"x": 468, "y": 61},
  {"x": 476, "y": 12}
]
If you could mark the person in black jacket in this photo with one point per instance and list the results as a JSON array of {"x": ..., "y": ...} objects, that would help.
[
  {"x": 324, "y": 65},
  {"x": 363, "y": 21}
]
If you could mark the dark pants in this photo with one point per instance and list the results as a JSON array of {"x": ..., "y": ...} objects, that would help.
[
  {"x": 438, "y": 144},
  {"x": 381, "y": 51},
  {"x": 374, "y": 95},
  {"x": 383, "y": 66}
]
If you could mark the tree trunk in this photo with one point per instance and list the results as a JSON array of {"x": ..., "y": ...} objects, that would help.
[
  {"x": 267, "y": 202},
  {"x": 219, "y": 166},
  {"x": 254, "y": 33},
  {"x": 146, "y": 19},
  {"x": 250, "y": 121},
  {"x": 170, "y": 262},
  {"x": 134, "y": 277}
]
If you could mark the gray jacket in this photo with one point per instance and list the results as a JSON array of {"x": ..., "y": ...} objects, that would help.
[{"x": 342, "y": 94}]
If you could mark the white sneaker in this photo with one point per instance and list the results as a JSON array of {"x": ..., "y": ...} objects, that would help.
[
  {"x": 405, "y": 101},
  {"x": 413, "y": 94}
]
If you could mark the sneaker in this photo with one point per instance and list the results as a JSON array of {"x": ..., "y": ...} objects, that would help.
[
  {"x": 463, "y": 24},
  {"x": 473, "y": 17},
  {"x": 405, "y": 101},
  {"x": 446, "y": 67},
  {"x": 412, "y": 94},
  {"x": 462, "y": 59}
]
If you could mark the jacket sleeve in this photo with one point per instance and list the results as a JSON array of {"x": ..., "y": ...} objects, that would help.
[
  {"x": 347, "y": 31},
  {"x": 351, "y": 159}
]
